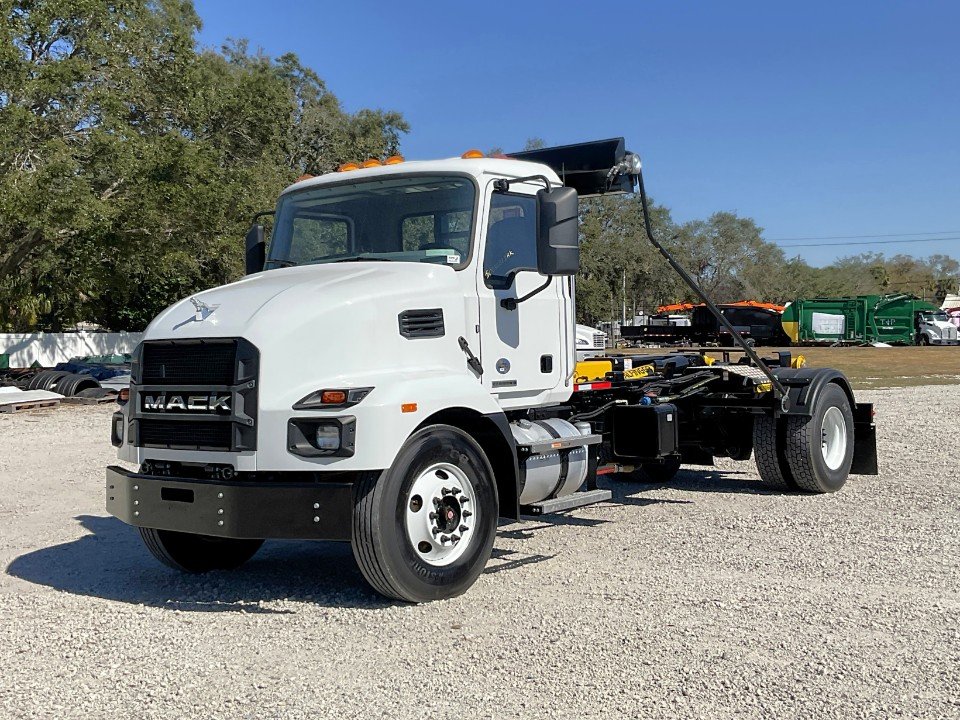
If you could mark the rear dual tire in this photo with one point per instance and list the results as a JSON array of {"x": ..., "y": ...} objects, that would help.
[{"x": 813, "y": 454}]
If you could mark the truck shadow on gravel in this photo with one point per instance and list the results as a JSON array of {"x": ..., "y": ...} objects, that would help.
[
  {"x": 111, "y": 563},
  {"x": 624, "y": 485}
]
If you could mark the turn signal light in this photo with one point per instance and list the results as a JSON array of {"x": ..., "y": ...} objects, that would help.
[
  {"x": 408, "y": 407},
  {"x": 372, "y": 162},
  {"x": 348, "y": 166},
  {"x": 327, "y": 399},
  {"x": 472, "y": 154},
  {"x": 393, "y": 160},
  {"x": 305, "y": 176}
]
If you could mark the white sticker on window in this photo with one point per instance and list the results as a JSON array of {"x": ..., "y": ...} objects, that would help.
[{"x": 453, "y": 259}]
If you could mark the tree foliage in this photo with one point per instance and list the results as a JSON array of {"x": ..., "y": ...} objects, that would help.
[
  {"x": 131, "y": 162},
  {"x": 727, "y": 255}
]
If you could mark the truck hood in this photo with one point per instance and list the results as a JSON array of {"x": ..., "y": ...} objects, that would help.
[{"x": 279, "y": 300}]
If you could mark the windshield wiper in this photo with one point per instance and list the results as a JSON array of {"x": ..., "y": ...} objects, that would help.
[
  {"x": 285, "y": 263},
  {"x": 362, "y": 257}
]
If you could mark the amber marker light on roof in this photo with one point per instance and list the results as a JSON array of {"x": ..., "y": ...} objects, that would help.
[
  {"x": 472, "y": 155},
  {"x": 372, "y": 162},
  {"x": 393, "y": 160},
  {"x": 348, "y": 166},
  {"x": 305, "y": 176}
]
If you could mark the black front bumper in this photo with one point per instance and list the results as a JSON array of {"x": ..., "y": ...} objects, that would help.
[{"x": 239, "y": 509}]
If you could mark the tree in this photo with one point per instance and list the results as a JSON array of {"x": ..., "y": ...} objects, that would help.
[{"x": 130, "y": 163}]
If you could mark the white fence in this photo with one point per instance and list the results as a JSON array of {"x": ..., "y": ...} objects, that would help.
[{"x": 48, "y": 349}]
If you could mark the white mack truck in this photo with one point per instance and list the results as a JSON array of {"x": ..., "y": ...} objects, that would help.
[{"x": 398, "y": 371}]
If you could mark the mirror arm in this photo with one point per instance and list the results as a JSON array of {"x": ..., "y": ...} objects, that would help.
[
  {"x": 511, "y": 303},
  {"x": 503, "y": 184},
  {"x": 262, "y": 213}
]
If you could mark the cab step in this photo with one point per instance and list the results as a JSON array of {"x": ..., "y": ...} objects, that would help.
[{"x": 568, "y": 502}]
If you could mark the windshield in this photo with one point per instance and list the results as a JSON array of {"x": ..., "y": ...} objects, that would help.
[
  {"x": 931, "y": 316},
  {"x": 405, "y": 219}
]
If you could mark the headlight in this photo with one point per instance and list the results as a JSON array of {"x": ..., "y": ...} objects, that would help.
[
  {"x": 328, "y": 436},
  {"x": 322, "y": 436}
]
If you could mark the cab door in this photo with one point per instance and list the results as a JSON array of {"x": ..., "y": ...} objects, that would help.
[{"x": 522, "y": 350}]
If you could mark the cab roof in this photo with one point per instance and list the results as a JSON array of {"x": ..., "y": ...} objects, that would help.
[{"x": 474, "y": 167}]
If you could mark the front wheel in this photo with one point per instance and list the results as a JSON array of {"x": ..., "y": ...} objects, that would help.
[
  {"x": 424, "y": 528},
  {"x": 197, "y": 553}
]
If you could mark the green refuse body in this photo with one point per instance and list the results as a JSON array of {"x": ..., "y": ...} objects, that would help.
[{"x": 862, "y": 319}]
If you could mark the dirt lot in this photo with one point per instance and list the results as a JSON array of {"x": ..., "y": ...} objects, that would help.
[{"x": 706, "y": 597}]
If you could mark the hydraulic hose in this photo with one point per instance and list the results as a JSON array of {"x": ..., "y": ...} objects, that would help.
[{"x": 779, "y": 390}]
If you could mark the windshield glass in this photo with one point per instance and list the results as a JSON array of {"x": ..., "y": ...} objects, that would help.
[
  {"x": 407, "y": 219},
  {"x": 931, "y": 316}
]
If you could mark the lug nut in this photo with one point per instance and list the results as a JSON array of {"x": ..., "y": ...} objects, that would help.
[
  {"x": 463, "y": 528},
  {"x": 454, "y": 539},
  {"x": 456, "y": 491},
  {"x": 444, "y": 491},
  {"x": 433, "y": 516},
  {"x": 434, "y": 530},
  {"x": 464, "y": 499},
  {"x": 444, "y": 538},
  {"x": 466, "y": 513}
]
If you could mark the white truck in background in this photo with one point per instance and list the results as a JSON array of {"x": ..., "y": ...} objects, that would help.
[
  {"x": 399, "y": 372},
  {"x": 590, "y": 342}
]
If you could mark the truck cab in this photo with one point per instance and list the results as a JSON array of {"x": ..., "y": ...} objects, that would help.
[
  {"x": 933, "y": 327},
  {"x": 398, "y": 370}
]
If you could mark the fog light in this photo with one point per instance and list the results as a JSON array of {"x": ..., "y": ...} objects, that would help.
[{"x": 328, "y": 437}]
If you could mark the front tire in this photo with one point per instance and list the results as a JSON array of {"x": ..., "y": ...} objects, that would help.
[
  {"x": 197, "y": 553},
  {"x": 819, "y": 448},
  {"x": 424, "y": 528}
]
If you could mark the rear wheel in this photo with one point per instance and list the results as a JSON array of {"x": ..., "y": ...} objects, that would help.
[
  {"x": 923, "y": 340},
  {"x": 819, "y": 448},
  {"x": 768, "y": 438},
  {"x": 424, "y": 529},
  {"x": 198, "y": 553}
]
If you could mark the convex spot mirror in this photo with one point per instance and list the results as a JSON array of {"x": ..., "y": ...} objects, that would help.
[
  {"x": 256, "y": 249},
  {"x": 558, "y": 235}
]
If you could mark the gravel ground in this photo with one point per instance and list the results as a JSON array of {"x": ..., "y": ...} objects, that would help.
[{"x": 705, "y": 597}]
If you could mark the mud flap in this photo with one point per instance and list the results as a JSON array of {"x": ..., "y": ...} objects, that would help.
[{"x": 864, "y": 441}]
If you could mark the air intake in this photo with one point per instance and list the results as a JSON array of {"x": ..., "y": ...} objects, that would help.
[{"x": 421, "y": 323}]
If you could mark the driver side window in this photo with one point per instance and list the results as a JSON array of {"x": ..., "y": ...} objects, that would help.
[{"x": 511, "y": 238}]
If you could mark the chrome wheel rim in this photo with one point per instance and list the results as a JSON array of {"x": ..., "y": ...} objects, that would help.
[
  {"x": 440, "y": 514},
  {"x": 833, "y": 438}
]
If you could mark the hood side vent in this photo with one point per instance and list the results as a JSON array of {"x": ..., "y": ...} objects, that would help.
[{"x": 421, "y": 323}]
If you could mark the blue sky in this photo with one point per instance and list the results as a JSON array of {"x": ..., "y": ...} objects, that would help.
[{"x": 816, "y": 119}]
